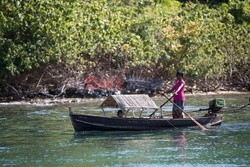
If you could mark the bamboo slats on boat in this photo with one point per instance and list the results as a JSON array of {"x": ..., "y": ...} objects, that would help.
[{"x": 125, "y": 102}]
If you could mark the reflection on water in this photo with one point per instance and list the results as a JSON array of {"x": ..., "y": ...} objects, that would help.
[
  {"x": 41, "y": 112},
  {"x": 45, "y": 137},
  {"x": 180, "y": 139}
]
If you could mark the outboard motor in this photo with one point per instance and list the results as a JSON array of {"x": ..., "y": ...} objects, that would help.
[{"x": 216, "y": 105}]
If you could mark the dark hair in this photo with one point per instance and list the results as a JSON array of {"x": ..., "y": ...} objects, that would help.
[
  {"x": 180, "y": 73},
  {"x": 120, "y": 112}
]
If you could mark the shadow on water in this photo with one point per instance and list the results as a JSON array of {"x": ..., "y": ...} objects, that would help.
[
  {"x": 114, "y": 135},
  {"x": 138, "y": 137},
  {"x": 117, "y": 133},
  {"x": 147, "y": 133},
  {"x": 135, "y": 142},
  {"x": 86, "y": 134}
]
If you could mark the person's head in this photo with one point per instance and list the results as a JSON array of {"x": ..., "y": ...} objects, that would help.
[
  {"x": 179, "y": 74},
  {"x": 120, "y": 113}
]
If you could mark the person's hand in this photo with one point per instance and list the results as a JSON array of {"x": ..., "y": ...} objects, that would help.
[{"x": 162, "y": 92}]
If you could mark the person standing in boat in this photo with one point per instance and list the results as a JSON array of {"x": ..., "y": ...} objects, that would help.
[{"x": 179, "y": 96}]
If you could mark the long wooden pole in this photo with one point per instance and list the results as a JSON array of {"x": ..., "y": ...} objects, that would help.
[
  {"x": 168, "y": 99},
  {"x": 197, "y": 123},
  {"x": 161, "y": 106},
  {"x": 243, "y": 106}
]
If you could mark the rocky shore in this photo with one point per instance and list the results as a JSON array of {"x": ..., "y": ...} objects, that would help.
[
  {"x": 40, "y": 102},
  {"x": 53, "y": 92}
]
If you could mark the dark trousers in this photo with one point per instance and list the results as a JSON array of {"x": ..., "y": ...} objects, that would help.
[{"x": 177, "y": 111}]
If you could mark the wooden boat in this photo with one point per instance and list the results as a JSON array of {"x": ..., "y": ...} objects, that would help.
[{"x": 85, "y": 122}]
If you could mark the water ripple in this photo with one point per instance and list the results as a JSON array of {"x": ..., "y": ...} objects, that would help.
[{"x": 40, "y": 112}]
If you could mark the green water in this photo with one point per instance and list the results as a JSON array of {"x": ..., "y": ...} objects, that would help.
[{"x": 44, "y": 136}]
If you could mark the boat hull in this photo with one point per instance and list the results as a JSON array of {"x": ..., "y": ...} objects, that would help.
[{"x": 83, "y": 122}]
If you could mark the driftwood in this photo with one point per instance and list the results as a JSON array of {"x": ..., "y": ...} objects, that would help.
[
  {"x": 63, "y": 90},
  {"x": 18, "y": 96}
]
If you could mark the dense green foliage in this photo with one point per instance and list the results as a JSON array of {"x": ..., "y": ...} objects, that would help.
[{"x": 164, "y": 35}]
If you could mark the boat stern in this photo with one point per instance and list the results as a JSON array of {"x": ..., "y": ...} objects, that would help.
[
  {"x": 216, "y": 120},
  {"x": 70, "y": 111}
]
